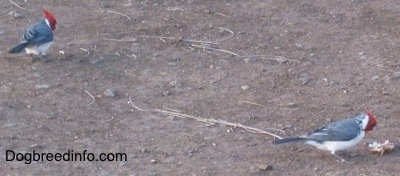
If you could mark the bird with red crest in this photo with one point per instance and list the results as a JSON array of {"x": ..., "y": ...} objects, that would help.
[{"x": 37, "y": 38}]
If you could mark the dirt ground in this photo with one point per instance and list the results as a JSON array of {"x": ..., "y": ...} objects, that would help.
[{"x": 304, "y": 62}]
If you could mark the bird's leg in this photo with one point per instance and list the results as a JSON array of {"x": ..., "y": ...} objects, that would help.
[
  {"x": 45, "y": 57},
  {"x": 34, "y": 57},
  {"x": 340, "y": 159},
  {"x": 352, "y": 154}
]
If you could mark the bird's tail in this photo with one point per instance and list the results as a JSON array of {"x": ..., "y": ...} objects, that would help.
[
  {"x": 291, "y": 139},
  {"x": 18, "y": 48}
]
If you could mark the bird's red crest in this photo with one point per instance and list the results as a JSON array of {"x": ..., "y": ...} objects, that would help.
[
  {"x": 50, "y": 17},
  {"x": 371, "y": 122}
]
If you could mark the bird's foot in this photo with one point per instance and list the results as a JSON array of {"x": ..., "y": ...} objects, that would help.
[
  {"x": 341, "y": 160},
  {"x": 47, "y": 58},
  {"x": 345, "y": 161},
  {"x": 34, "y": 57},
  {"x": 349, "y": 153}
]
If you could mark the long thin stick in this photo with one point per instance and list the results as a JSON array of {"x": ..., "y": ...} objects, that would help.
[
  {"x": 185, "y": 40},
  {"x": 109, "y": 11},
  {"x": 248, "y": 102},
  {"x": 19, "y": 6},
  {"x": 273, "y": 57},
  {"x": 134, "y": 106},
  {"x": 87, "y": 51},
  {"x": 217, "y": 121},
  {"x": 225, "y": 29},
  {"x": 120, "y": 40},
  {"x": 216, "y": 49}
]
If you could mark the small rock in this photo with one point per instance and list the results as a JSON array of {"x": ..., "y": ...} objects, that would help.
[
  {"x": 173, "y": 83},
  {"x": 15, "y": 14},
  {"x": 43, "y": 86},
  {"x": 144, "y": 150},
  {"x": 153, "y": 161},
  {"x": 245, "y": 87},
  {"x": 344, "y": 104},
  {"x": 96, "y": 61},
  {"x": 191, "y": 150},
  {"x": 305, "y": 80},
  {"x": 264, "y": 167},
  {"x": 293, "y": 105},
  {"x": 110, "y": 93},
  {"x": 396, "y": 74},
  {"x": 375, "y": 77},
  {"x": 166, "y": 93}
]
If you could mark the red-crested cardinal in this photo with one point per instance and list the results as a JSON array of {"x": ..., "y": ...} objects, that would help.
[
  {"x": 337, "y": 136},
  {"x": 38, "y": 38}
]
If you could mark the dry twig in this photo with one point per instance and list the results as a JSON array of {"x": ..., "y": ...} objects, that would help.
[
  {"x": 134, "y": 106},
  {"x": 280, "y": 59},
  {"x": 170, "y": 109},
  {"x": 112, "y": 117},
  {"x": 225, "y": 29},
  {"x": 109, "y": 11},
  {"x": 248, "y": 102},
  {"x": 120, "y": 40},
  {"x": 87, "y": 51},
  {"x": 93, "y": 99},
  {"x": 185, "y": 40},
  {"x": 218, "y": 121},
  {"x": 17, "y": 5},
  {"x": 215, "y": 49},
  {"x": 175, "y": 9}
]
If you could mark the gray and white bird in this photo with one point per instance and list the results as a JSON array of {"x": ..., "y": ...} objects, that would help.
[
  {"x": 38, "y": 38},
  {"x": 337, "y": 136}
]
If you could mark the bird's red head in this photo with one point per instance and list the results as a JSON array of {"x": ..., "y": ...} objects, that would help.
[
  {"x": 50, "y": 17},
  {"x": 371, "y": 122}
]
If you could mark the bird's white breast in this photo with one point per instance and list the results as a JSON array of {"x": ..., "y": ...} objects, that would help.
[
  {"x": 338, "y": 145},
  {"x": 38, "y": 50}
]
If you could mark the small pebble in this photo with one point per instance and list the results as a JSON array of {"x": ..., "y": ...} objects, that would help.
[
  {"x": 375, "y": 77},
  {"x": 96, "y": 61},
  {"x": 43, "y": 86},
  {"x": 396, "y": 74},
  {"x": 15, "y": 14},
  {"x": 264, "y": 167},
  {"x": 110, "y": 93}
]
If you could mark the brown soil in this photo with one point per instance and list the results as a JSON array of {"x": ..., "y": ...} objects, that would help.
[{"x": 342, "y": 57}]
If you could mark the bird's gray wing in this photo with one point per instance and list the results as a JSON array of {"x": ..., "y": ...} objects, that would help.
[
  {"x": 38, "y": 33},
  {"x": 343, "y": 130}
]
